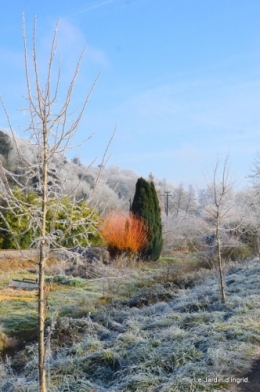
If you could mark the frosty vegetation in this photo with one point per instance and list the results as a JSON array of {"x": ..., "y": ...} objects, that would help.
[
  {"x": 169, "y": 331},
  {"x": 162, "y": 338},
  {"x": 185, "y": 212},
  {"x": 70, "y": 174}
]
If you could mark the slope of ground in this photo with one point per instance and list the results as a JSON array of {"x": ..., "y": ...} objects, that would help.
[{"x": 157, "y": 334}]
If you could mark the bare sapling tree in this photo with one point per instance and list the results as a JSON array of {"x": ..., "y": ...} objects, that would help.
[
  {"x": 55, "y": 215},
  {"x": 219, "y": 210}
]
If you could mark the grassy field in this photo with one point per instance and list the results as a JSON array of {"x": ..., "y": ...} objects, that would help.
[{"x": 135, "y": 327}]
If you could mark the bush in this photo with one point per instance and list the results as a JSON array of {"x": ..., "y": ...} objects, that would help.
[
  {"x": 71, "y": 224},
  {"x": 124, "y": 234},
  {"x": 69, "y": 280},
  {"x": 241, "y": 252},
  {"x": 249, "y": 236}
]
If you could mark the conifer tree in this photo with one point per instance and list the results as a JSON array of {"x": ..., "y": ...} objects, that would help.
[{"x": 146, "y": 206}]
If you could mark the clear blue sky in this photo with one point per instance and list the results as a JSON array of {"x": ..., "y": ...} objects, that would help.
[{"x": 181, "y": 78}]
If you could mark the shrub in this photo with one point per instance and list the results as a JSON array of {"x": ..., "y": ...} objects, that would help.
[
  {"x": 70, "y": 223},
  {"x": 241, "y": 252},
  {"x": 69, "y": 280},
  {"x": 124, "y": 234}
]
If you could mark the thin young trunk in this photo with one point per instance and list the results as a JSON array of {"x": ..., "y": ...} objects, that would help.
[
  {"x": 42, "y": 262},
  {"x": 222, "y": 284},
  {"x": 258, "y": 247}
]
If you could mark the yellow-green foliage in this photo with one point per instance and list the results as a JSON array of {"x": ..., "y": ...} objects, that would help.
[
  {"x": 16, "y": 221},
  {"x": 68, "y": 223},
  {"x": 73, "y": 223}
]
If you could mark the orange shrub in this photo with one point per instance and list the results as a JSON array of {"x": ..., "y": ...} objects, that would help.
[{"x": 124, "y": 234}]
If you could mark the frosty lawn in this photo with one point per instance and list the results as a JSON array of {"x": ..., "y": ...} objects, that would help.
[{"x": 183, "y": 343}]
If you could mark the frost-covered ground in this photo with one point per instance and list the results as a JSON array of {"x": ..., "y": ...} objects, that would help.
[{"x": 161, "y": 339}]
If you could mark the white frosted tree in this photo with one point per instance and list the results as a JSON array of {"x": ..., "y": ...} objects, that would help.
[
  {"x": 248, "y": 201},
  {"x": 219, "y": 210},
  {"x": 51, "y": 130},
  {"x": 182, "y": 227},
  {"x": 181, "y": 200},
  {"x": 183, "y": 232},
  {"x": 123, "y": 183}
]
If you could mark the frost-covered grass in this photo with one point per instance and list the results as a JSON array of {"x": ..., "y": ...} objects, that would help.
[{"x": 161, "y": 338}]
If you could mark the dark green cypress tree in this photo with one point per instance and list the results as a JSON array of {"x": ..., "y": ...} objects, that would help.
[{"x": 146, "y": 206}]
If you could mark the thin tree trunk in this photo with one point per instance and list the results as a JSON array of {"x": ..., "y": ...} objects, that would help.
[
  {"x": 258, "y": 247},
  {"x": 42, "y": 262},
  {"x": 222, "y": 283},
  {"x": 41, "y": 321}
]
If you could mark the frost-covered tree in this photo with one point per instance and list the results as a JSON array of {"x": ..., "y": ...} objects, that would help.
[
  {"x": 181, "y": 227},
  {"x": 218, "y": 209},
  {"x": 183, "y": 232},
  {"x": 178, "y": 200},
  {"x": 248, "y": 202},
  {"x": 50, "y": 131},
  {"x": 181, "y": 200},
  {"x": 122, "y": 182}
]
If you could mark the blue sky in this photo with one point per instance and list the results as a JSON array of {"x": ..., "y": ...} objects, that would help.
[{"x": 180, "y": 77}]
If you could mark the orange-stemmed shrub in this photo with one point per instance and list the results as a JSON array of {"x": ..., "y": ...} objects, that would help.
[{"x": 124, "y": 234}]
